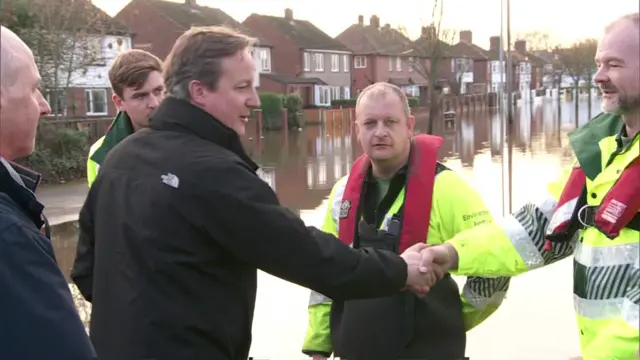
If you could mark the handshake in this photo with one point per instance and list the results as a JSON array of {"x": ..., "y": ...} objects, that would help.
[{"x": 428, "y": 264}]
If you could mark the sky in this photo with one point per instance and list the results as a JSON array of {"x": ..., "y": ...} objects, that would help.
[{"x": 565, "y": 21}]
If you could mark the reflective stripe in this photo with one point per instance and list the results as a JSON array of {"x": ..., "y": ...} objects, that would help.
[
  {"x": 481, "y": 302},
  {"x": 526, "y": 230},
  {"x": 562, "y": 215},
  {"x": 609, "y": 309},
  {"x": 611, "y": 255},
  {"x": 336, "y": 202},
  {"x": 316, "y": 298}
]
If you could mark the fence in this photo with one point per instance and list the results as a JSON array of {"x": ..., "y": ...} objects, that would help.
[{"x": 94, "y": 127}]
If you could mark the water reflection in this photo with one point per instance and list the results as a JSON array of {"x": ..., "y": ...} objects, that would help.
[{"x": 303, "y": 166}]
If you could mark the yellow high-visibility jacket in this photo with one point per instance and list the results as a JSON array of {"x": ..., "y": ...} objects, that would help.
[
  {"x": 456, "y": 207},
  {"x": 607, "y": 289}
]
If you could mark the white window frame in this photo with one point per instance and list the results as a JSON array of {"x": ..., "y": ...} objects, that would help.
[
  {"x": 390, "y": 63},
  {"x": 318, "y": 59},
  {"x": 265, "y": 60},
  {"x": 324, "y": 95},
  {"x": 88, "y": 95},
  {"x": 360, "y": 62},
  {"x": 307, "y": 61},
  {"x": 411, "y": 64},
  {"x": 398, "y": 64},
  {"x": 335, "y": 63},
  {"x": 61, "y": 97},
  {"x": 335, "y": 93},
  {"x": 345, "y": 63},
  {"x": 347, "y": 92}
]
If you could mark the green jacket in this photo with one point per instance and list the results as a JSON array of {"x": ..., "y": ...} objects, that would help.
[
  {"x": 606, "y": 272},
  {"x": 119, "y": 129}
]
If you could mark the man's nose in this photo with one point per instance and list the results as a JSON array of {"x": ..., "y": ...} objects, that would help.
[
  {"x": 154, "y": 101},
  {"x": 600, "y": 77},
  {"x": 254, "y": 100},
  {"x": 45, "y": 109}
]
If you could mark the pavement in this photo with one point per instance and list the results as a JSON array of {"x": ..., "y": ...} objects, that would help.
[{"x": 63, "y": 202}]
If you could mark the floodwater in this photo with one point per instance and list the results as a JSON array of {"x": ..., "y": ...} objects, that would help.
[{"x": 536, "y": 320}]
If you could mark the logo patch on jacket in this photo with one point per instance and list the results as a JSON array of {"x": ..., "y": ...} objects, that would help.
[{"x": 344, "y": 209}]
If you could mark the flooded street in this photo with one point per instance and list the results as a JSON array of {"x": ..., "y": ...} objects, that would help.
[{"x": 536, "y": 321}]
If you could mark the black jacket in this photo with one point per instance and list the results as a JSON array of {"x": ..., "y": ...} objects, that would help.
[
  {"x": 173, "y": 231},
  {"x": 38, "y": 319}
]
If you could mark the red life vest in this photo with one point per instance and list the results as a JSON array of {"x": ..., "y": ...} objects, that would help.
[
  {"x": 418, "y": 193},
  {"x": 618, "y": 209}
]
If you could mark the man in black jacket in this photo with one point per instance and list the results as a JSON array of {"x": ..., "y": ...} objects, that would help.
[
  {"x": 38, "y": 319},
  {"x": 177, "y": 223}
]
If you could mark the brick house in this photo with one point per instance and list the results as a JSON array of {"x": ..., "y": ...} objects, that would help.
[
  {"x": 379, "y": 54},
  {"x": 470, "y": 64},
  {"x": 158, "y": 24},
  {"x": 497, "y": 69},
  {"x": 427, "y": 48},
  {"x": 306, "y": 59},
  {"x": 537, "y": 64}
]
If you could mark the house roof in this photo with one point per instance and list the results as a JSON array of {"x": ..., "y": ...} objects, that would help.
[
  {"x": 78, "y": 15},
  {"x": 187, "y": 16},
  {"x": 536, "y": 60},
  {"x": 425, "y": 46},
  {"x": 371, "y": 40},
  {"x": 302, "y": 33},
  {"x": 468, "y": 50}
]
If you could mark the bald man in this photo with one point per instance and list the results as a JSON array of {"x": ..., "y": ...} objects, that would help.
[{"x": 38, "y": 319}]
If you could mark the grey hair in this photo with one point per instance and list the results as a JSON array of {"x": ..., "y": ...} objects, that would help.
[
  {"x": 197, "y": 55},
  {"x": 382, "y": 89}
]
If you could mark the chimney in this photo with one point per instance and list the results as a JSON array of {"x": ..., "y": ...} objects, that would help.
[
  {"x": 190, "y": 3},
  {"x": 288, "y": 14},
  {"x": 374, "y": 21},
  {"x": 494, "y": 43},
  {"x": 466, "y": 36},
  {"x": 428, "y": 32},
  {"x": 521, "y": 46},
  {"x": 387, "y": 26},
  {"x": 360, "y": 20}
]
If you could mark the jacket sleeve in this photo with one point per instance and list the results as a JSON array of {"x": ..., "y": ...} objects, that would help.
[
  {"x": 39, "y": 318},
  {"x": 318, "y": 337},
  {"x": 242, "y": 213},
  {"x": 514, "y": 245},
  {"x": 82, "y": 270},
  {"x": 454, "y": 212}
]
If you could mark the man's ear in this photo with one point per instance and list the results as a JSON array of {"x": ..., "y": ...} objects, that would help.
[{"x": 117, "y": 101}]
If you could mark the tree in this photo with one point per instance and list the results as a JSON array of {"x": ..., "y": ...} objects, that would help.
[
  {"x": 65, "y": 37},
  {"x": 577, "y": 62},
  {"x": 429, "y": 51},
  {"x": 536, "y": 40}
]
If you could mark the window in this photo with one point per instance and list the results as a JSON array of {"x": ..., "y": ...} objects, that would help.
[
  {"x": 57, "y": 101},
  {"x": 347, "y": 92},
  {"x": 360, "y": 62},
  {"x": 494, "y": 67},
  {"x": 390, "y": 63},
  {"x": 319, "y": 59},
  {"x": 335, "y": 63},
  {"x": 96, "y": 101},
  {"x": 398, "y": 64},
  {"x": 335, "y": 93},
  {"x": 345, "y": 63},
  {"x": 410, "y": 64},
  {"x": 307, "y": 61},
  {"x": 265, "y": 60}
]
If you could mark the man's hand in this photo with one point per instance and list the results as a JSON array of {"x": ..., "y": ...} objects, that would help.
[
  {"x": 444, "y": 255},
  {"x": 318, "y": 357},
  {"x": 422, "y": 273}
]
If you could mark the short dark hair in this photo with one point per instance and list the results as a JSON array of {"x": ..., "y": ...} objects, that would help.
[
  {"x": 197, "y": 55},
  {"x": 131, "y": 69}
]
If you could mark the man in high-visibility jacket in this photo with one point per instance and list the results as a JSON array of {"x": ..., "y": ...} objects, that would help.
[
  {"x": 591, "y": 212},
  {"x": 403, "y": 196},
  {"x": 138, "y": 88}
]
